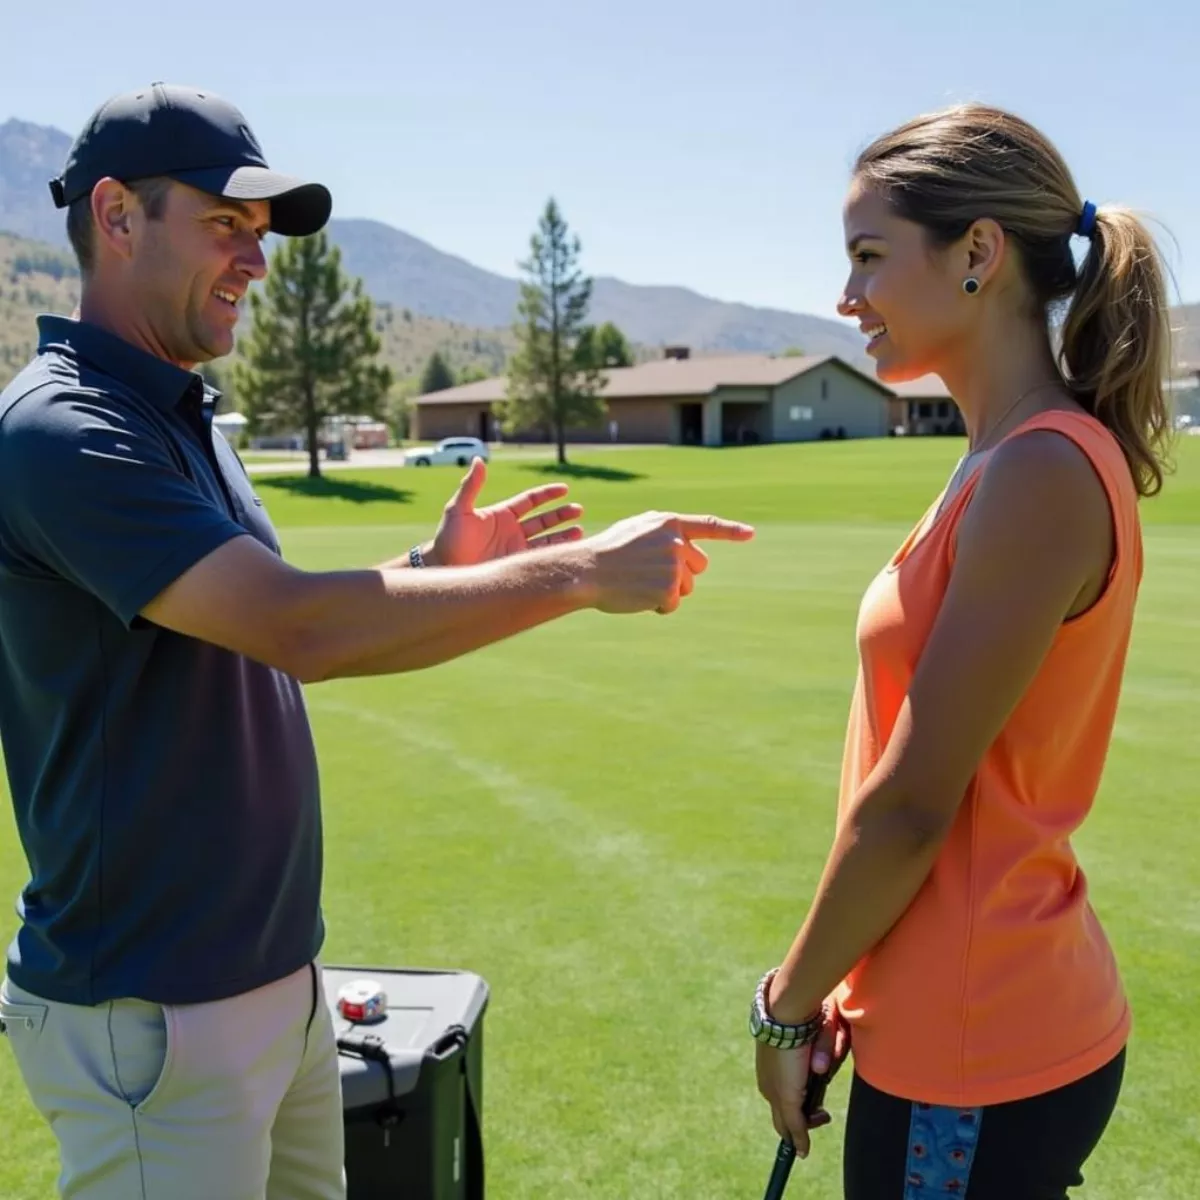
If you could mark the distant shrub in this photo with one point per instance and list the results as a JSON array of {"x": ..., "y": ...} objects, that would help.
[{"x": 44, "y": 262}]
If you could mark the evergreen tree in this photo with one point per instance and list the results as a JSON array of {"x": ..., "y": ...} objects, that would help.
[
  {"x": 398, "y": 406},
  {"x": 551, "y": 384},
  {"x": 605, "y": 346},
  {"x": 220, "y": 378},
  {"x": 437, "y": 376},
  {"x": 312, "y": 350}
]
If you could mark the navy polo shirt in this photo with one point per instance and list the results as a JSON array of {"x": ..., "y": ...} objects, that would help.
[{"x": 165, "y": 789}]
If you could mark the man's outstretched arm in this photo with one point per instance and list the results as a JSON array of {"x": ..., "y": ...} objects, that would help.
[
  {"x": 94, "y": 496},
  {"x": 318, "y": 626}
]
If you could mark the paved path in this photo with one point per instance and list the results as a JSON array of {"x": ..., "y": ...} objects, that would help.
[{"x": 288, "y": 464}]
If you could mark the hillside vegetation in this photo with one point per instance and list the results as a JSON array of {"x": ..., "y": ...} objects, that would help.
[
  {"x": 34, "y": 278},
  {"x": 39, "y": 278}
]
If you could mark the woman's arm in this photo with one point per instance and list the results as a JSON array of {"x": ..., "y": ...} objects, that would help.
[{"x": 1034, "y": 546}]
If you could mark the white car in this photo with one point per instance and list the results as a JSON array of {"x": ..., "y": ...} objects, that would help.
[{"x": 457, "y": 451}]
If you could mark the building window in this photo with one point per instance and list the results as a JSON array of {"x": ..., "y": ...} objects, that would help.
[
  {"x": 924, "y": 409},
  {"x": 800, "y": 414},
  {"x": 943, "y": 409},
  {"x": 824, "y": 389}
]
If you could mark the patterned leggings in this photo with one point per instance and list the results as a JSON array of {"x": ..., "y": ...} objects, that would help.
[{"x": 1030, "y": 1149}]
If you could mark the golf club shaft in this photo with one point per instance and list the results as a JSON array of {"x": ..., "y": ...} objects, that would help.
[{"x": 785, "y": 1155}]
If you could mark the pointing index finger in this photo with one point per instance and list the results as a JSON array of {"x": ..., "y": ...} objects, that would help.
[{"x": 716, "y": 528}]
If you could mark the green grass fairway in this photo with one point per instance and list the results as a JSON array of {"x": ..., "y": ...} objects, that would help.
[{"x": 618, "y": 822}]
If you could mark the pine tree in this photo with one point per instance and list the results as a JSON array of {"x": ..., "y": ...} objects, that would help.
[
  {"x": 220, "y": 378},
  {"x": 312, "y": 349},
  {"x": 549, "y": 388},
  {"x": 437, "y": 376},
  {"x": 605, "y": 346}
]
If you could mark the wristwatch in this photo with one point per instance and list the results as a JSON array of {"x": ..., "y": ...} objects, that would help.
[
  {"x": 774, "y": 1033},
  {"x": 415, "y": 557}
]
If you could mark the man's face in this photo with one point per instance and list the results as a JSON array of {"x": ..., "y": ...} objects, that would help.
[{"x": 191, "y": 269}]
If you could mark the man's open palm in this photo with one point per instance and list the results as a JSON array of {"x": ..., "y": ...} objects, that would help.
[{"x": 467, "y": 535}]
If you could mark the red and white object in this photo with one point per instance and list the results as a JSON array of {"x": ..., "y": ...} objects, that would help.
[{"x": 362, "y": 1001}]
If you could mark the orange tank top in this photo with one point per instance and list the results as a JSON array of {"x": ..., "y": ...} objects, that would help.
[{"x": 998, "y": 982}]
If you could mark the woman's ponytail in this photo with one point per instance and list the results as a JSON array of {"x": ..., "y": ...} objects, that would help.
[{"x": 1115, "y": 342}]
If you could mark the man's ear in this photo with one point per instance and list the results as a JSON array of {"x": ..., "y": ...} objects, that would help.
[{"x": 113, "y": 206}]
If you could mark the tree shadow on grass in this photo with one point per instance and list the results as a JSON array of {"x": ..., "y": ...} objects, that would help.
[
  {"x": 582, "y": 471},
  {"x": 330, "y": 487}
]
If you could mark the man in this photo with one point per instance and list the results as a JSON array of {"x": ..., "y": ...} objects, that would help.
[{"x": 162, "y": 996}]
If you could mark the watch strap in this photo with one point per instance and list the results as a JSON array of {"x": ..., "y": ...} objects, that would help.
[{"x": 765, "y": 1029}]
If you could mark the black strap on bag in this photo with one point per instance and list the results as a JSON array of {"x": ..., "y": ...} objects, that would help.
[{"x": 371, "y": 1046}]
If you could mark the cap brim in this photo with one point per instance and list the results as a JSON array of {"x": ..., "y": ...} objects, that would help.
[{"x": 298, "y": 208}]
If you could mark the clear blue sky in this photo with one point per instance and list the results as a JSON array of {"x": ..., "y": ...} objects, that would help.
[{"x": 703, "y": 143}]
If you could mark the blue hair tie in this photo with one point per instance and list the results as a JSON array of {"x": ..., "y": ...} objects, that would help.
[{"x": 1087, "y": 220}]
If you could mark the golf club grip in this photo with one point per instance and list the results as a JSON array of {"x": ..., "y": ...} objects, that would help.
[
  {"x": 814, "y": 1093},
  {"x": 785, "y": 1153}
]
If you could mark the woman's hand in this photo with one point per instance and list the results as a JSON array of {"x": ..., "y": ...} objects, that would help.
[
  {"x": 828, "y": 1053},
  {"x": 783, "y": 1079}
]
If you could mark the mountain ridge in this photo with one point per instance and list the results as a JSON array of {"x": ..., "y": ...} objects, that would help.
[
  {"x": 475, "y": 305},
  {"x": 405, "y": 271}
]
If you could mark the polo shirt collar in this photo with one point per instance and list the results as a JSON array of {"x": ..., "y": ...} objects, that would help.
[{"x": 154, "y": 378}]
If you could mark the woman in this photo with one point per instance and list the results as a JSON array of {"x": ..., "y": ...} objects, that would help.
[{"x": 951, "y": 931}]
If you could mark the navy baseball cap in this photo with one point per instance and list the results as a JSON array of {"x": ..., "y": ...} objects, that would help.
[{"x": 196, "y": 138}]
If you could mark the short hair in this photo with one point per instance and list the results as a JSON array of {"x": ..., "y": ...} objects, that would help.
[{"x": 152, "y": 195}]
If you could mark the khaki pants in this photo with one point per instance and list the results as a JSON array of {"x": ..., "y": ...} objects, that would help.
[{"x": 239, "y": 1099}]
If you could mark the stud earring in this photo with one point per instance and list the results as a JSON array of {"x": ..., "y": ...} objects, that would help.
[{"x": 970, "y": 285}]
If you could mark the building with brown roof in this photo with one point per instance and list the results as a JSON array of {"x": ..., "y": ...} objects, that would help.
[
  {"x": 681, "y": 400},
  {"x": 924, "y": 406}
]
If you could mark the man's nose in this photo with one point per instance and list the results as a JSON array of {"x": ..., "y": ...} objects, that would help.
[{"x": 253, "y": 262}]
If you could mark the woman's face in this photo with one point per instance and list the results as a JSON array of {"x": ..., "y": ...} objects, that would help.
[{"x": 906, "y": 296}]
